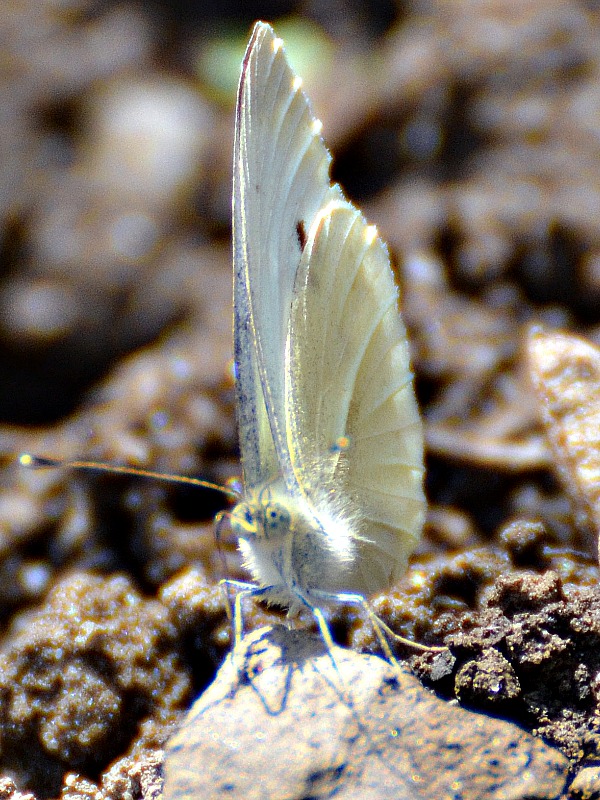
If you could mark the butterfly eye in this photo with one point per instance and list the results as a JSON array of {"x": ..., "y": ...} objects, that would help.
[
  {"x": 276, "y": 517},
  {"x": 243, "y": 520}
]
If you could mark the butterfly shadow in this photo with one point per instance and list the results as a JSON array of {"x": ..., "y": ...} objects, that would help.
[{"x": 270, "y": 659}]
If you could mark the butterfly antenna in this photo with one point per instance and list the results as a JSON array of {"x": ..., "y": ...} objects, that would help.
[{"x": 40, "y": 462}]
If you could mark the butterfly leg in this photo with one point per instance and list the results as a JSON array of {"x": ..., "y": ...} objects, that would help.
[
  {"x": 359, "y": 600},
  {"x": 236, "y": 617},
  {"x": 323, "y": 627},
  {"x": 379, "y": 626},
  {"x": 378, "y": 622},
  {"x": 327, "y": 638},
  {"x": 243, "y": 590}
]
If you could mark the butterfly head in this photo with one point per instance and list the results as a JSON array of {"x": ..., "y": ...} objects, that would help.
[{"x": 261, "y": 515}]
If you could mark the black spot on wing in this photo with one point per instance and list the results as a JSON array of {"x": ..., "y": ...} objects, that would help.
[{"x": 301, "y": 234}]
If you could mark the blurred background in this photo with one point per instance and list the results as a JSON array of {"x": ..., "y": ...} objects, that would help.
[{"x": 469, "y": 131}]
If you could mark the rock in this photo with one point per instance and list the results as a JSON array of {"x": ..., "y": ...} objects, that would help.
[
  {"x": 586, "y": 784},
  {"x": 284, "y": 718}
]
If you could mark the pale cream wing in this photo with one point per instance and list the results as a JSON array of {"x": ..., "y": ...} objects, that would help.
[
  {"x": 348, "y": 375},
  {"x": 280, "y": 182}
]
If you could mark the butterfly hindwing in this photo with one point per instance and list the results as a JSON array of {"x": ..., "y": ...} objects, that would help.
[{"x": 349, "y": 379}]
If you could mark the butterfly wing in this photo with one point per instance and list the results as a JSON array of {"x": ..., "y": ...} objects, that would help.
[
  {"x": 348, "y": 375},
  {"x": 280, "y": 181}
]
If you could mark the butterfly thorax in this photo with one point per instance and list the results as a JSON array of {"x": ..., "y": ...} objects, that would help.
[{"x": 286, "y": 548}]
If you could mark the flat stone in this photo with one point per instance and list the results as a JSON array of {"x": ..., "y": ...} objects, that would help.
[{"x": 285, "y": 718}]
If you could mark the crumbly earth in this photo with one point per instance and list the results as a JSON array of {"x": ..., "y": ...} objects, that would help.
[
  {"x": 469, "y": 133},
  {"x": 96, "y": 668},
  {"x": 531, "y": 655}
]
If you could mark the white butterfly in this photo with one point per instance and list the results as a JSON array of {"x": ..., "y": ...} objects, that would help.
[{"x": 330, "y": 434}]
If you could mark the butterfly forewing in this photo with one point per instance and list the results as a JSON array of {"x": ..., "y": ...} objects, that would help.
[
  {"x": 281, "y": 180},
  {"x": 348, "y": 375}
]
